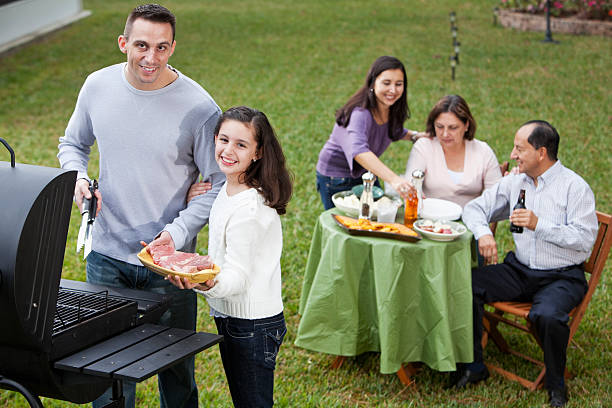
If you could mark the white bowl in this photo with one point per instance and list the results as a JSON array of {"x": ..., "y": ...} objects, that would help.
[
  {"x": 353, "y": 211},
  {"x": 441, "y": 210},
  {"x": 458, "y": 230}
]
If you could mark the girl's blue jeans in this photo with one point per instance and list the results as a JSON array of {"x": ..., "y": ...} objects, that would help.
[{"x": 248, "y": 352}]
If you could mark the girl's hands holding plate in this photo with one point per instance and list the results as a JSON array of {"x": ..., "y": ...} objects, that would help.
[{"x": 184, "y": 283}]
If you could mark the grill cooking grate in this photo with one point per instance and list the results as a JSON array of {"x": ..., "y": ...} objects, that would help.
[{"x": 75, "y": 306}]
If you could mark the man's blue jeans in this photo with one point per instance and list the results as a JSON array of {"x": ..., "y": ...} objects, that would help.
[
  {"x": 177, "y": 386},
  {"x": 248, "y": 352}
]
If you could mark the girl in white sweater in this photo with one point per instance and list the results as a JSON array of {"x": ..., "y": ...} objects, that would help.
[{"x": 245, "y": 241}]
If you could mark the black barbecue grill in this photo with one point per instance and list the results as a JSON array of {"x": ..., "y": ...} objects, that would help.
[{"x": 70, "y": 340}]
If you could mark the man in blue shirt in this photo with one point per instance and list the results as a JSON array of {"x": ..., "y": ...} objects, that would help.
[{"x": 559, "y": 229}]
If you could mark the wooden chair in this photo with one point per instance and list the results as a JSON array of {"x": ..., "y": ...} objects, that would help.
[{"x": 519, "y": 312}]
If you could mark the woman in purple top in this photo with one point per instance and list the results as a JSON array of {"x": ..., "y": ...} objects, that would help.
[{"x": 365, "y": 126}]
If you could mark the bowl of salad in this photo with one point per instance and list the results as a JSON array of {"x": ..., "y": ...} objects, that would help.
[{"x": 440, "y": 230}]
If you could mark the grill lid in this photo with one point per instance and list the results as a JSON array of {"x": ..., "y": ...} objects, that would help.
[{"x": 36, "y": 203}]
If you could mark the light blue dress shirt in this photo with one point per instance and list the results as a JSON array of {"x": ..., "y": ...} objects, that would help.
[{"x": 564, "y": 204}]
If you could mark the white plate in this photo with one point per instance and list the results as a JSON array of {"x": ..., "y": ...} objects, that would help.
[
  {"x": 459, "y": 230},
  {"x": 353, "y": 211},
  {"x": 441, "y": 210}
]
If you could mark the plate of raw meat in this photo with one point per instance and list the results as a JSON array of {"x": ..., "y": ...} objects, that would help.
[{"x": 166, "y": 261}]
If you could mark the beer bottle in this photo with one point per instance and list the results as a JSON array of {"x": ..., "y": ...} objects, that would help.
[{"x": 519, "y": 204}]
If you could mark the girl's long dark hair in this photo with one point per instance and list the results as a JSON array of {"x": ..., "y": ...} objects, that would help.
[
  {"x": 365, "y": 98},
  {"x": 268, "y": 174}
]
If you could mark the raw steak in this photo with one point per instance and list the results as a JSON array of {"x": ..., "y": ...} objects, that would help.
[
  {"x": 166, "y": 257},
  {"x": 160, "y": 251}
]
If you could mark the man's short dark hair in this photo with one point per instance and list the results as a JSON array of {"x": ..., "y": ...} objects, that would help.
[
  {"x": 544, "y": 135},
  {"x": 150, "y": 12}
]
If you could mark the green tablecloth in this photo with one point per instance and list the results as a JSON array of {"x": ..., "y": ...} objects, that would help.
[{"x": 409, "y": 301}]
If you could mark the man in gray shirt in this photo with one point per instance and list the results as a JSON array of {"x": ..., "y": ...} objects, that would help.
[{"x": 154, "y": 129}]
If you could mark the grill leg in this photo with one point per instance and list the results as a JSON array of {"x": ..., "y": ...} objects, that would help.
[
  {"x": 32, "y": 399},
  {"x": 117, "y": 400}
]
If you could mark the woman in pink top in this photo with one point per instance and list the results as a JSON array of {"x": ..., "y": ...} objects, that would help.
[{"x": 457, "y": 167}]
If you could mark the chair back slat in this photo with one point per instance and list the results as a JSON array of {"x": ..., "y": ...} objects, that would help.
[
  {"x": 595, "y": 266},
  {"x": 599, "y": 247}
]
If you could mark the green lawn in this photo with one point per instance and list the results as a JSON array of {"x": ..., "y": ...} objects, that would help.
[{"x": 298, "y": 61}]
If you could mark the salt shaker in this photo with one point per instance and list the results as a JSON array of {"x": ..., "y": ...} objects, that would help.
[
  {"x": 366, "y": 202},
  {"x": 417, "y": 182}
]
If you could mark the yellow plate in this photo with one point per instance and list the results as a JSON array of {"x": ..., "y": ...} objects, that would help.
[{"x": 196, "y": 277}]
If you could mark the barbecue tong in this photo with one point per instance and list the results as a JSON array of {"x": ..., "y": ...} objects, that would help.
[{"x": 88, "y": 214}]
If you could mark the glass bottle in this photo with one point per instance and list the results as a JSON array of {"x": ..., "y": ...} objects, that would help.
[
  {"x": 519, "y": 204},
  {"x": 411, "y": 207},
  {"x": 366, "y": 201}
]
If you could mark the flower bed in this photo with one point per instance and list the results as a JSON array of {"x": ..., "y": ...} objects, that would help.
[
  {"x": 581, "y": 9},
  {"x": 527, "y": 21}
]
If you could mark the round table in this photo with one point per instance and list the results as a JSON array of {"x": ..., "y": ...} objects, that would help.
[{"x": 412, "y": 302}]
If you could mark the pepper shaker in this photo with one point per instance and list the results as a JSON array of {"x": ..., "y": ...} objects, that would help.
[
  {"x": 366, "y": 201},
  {"x": 417, "y": 182}
]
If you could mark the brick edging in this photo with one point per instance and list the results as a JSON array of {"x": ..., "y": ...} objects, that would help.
[{"x": 533, "y": 22}]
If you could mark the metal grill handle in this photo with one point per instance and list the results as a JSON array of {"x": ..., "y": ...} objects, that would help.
[{"x": 5, "y": 143}]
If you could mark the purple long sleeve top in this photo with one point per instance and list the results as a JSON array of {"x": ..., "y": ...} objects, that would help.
[{"x": 363, "y": 134}]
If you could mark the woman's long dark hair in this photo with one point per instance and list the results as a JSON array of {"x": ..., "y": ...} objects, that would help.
[
  {"x": 268, "y": 174},
  {"x": 365, "y": 98}
]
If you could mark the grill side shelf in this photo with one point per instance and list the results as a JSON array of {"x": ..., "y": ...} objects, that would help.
[
  {"x": 116, "y": 361},
  {"x": 77, "y": 361},
  {"x": 139, "y": 353},
  {"x": 162, "y": 359}
]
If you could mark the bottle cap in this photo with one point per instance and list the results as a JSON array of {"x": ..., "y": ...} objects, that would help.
[
  {"x": 368, "y": 176},
  {"x": 418, "y": 174}
]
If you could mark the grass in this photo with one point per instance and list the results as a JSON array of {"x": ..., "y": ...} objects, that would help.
[{"x": 299, "y": 61}]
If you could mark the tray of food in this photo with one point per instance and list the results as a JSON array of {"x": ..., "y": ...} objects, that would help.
[
  {"x": 376, "y": 229},
  {"x": 194, "y": 267}
]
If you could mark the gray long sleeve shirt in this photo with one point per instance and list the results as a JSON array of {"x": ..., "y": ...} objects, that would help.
[{"x": 152, "y": 145}]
